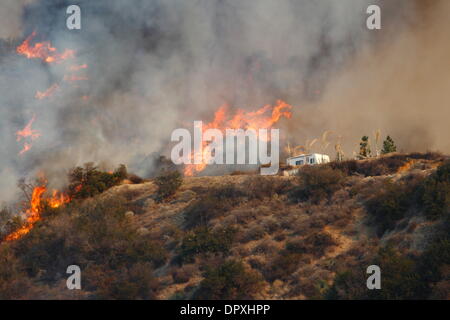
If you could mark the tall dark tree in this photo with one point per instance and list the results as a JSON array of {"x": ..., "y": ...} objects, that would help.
[{"x": 388, "y": 146}]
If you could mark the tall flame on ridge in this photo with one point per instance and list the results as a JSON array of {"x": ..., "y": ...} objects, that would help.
[{"x": 263, "y": 118}]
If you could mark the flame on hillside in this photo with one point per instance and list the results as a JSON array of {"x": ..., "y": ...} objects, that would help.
[
  {"x": 407, "y": 166},
  {"x": 33, "y": 214},
  {"x": 263, "y": 118}
]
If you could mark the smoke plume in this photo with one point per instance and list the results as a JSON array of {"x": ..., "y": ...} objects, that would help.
[{"x": 156, "y": 65}]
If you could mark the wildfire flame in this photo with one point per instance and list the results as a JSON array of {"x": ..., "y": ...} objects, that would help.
[
  {"x": 263, "y": 118},
  {"x": 34, "y": 212},
  {"x": 33, "y": 215},
  {"x": 47, "y": 93},
  {"x": 29, "y": 133},
  {"x": 43, "y": 51},
  {"x": 26, "y": 147},
  {"x": 58, "y": 199},
  {"x": 408, "y": 165},
  {"x": 77, "y": 68}
]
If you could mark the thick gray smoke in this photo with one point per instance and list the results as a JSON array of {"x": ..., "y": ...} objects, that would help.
[
  {"x": 397, "y": 85},
  {"x": 155, "y": 65}
]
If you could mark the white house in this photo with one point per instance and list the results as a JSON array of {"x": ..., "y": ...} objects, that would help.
[{"x": 311, "y": 158}]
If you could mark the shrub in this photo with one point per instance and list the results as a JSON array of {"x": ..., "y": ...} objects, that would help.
[
  {"x": 226, "y": 193},
  {"x": 211, "y": 204},
  {"x": 347, "y": 285},
  {"x": 435, "y": 257},
  {"x": 88, "y": 181},
  {"x": 230, "y": 281},
  {"x": 135, "y": 179},
  {"x": 400, "y": 279},
  {"x": 381, "y": 166},
  {"x": 95, "y": 232},
  {"x": 435, "y": 192},
  {"x": 348, "y": 167},
  {"x": 261, "y": 187},
  {"x": 202, "y": 240},
  {"x": 284, "y": 265},
  {"x": 253, "y": 233},
  {"x": 183, "y": 274},
  {"x": 317, "y": 183},
  {"x": 135, "y": 282},
  {"x": 5, "y": 216},
  {"x": 389, "y": 205},
  {"x": 168, "y": 183},
  {"x": 267, "y": 247},
  {"x": 315, "y": 244},
  {"x": 14, "y": 283}
]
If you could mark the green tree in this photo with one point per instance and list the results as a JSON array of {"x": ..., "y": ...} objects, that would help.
[
  {"x": 88, "y": 181},
  {"x": 364, "y": 148},
  {"x": 229, "y": 281},
  {"x": 388, "y": 146}
]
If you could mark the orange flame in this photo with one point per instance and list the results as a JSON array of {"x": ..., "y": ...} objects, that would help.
[
  {"x": 33, "y": 215},
  {"x": 43, "y": 51},
  {"x": 408, "y": 165},
  {"x": 77, "y": 68},
  {"x": 34, "y": 212},
  {"x": 27, "y": 132},
  {"x": 47, "y": 93},
  {"x": 26, "y": 147},
  {"x": 58, "y": 199},
  {"x": 263, "y": 118}
]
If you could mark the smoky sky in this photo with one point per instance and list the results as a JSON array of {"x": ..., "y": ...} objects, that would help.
[{"x": 156, "y": 65}]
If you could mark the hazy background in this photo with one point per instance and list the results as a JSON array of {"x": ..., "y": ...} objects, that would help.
[{"x": 156, "y": 65}]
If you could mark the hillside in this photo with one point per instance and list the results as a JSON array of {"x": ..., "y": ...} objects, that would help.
[{"x": 249, "y": 236}]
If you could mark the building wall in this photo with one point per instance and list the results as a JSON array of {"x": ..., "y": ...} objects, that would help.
[{"x": 305, "y": 159}]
